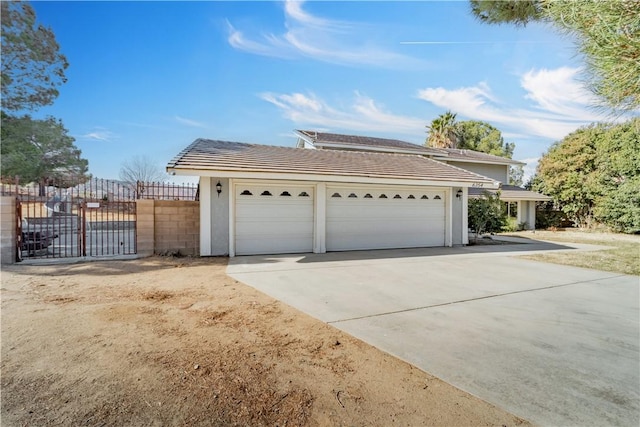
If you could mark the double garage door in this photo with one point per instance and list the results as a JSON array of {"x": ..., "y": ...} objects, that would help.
[{"x": 274, "y": 219}]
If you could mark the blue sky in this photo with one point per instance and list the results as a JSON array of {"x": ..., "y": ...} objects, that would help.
[{"x": 147, "y": 78}]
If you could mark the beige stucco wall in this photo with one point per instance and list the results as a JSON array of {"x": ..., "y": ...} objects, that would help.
[{"x": 8, "y": 229}]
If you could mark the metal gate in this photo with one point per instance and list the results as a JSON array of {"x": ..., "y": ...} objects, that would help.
[{"x": 97, "y": 218}]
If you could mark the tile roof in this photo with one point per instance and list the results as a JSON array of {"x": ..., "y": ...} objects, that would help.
[
  {"x": 221, "y": 156},
  {"x": 363, "y": 141},
  {"x": 322, "y": 138},
  {"x": 476, "y": 156},
  {"x": 512, "y": 192}
]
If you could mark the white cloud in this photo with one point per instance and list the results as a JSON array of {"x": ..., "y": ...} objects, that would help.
[
  {"x": 555, "y": 105},
  {"x": 363, "y": 114},
  {"x": 559, "y": 91},
  {"x": 189, "y": 122},
  {"x": 558, "y": 104},
  {"x": 308, "y": 36},
  {"x": 99, "y": 134}
]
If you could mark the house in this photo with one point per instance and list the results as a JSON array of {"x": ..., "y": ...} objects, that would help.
[
  {"x": 331, "y": 193},
  {"x": 488, "y": 165}
]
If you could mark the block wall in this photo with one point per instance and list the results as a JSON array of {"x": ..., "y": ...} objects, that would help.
[{"x": 176, "y": 227}]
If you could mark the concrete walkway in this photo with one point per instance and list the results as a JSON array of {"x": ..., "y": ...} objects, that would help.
[{"x": 556, "y": 345}]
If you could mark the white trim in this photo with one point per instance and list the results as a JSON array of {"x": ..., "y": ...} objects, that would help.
[
  {"x": 232, "y": 218},
  {"x": 465, "y": 216},
  {"x": 320, "y": 219},
  {"x": 448, "y": 207},
  {"x": 525, "y": 199},
  {"x": 520, "y": 215},
  {"x": 281, "y": 176},
  {"x": 205, "y": 216},
  {"x": 307, "y": 139}
]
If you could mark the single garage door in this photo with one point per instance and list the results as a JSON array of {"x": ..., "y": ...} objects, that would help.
[
  {"x": 273, "y": 219},
  {"x": 384, "y": 218}
]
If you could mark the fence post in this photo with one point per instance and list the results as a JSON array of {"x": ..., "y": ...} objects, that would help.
[
  {"x": 8, "y": 229},
  {"x": 83, "y": 221},
  {"x": 145, "y": 226}
]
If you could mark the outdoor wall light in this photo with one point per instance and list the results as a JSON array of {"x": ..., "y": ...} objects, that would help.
[
  {"x": 219, "y": 188},
  {"x": 459, "y": 194}
]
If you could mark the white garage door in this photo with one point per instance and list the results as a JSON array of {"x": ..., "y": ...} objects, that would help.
[
  {"x": 273, "y": 219},
  {"x": 384, "y": 218}
]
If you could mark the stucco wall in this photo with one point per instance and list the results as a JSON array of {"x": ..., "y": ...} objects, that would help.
[
  {"x": 497, "y": 172},
  {"x": 527, "y": 214},
  {"x": 459, "y": 211},
  {"x": 214, "y": 217}
]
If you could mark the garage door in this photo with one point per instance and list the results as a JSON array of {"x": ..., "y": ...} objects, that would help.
[
  {"x": 384, "y": 218},
  {"x": 273, "y": 219}
]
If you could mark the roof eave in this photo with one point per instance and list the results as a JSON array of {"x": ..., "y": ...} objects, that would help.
[
  {"x": 507, "y": 162},
  {"x": 328, "y": 177}
]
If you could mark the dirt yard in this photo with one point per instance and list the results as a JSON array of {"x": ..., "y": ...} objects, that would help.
[{"x": 172, "y": 342}]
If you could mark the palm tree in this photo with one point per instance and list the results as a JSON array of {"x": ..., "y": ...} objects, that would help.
[{"x": 443, "y": 131}]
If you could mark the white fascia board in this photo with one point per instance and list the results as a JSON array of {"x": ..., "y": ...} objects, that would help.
[
  {"x": 541, "y": 198},
  {"x": 279, "y": 176},
  {"x": 526, "y": 199},
  {"x": 309, "y": 141}
]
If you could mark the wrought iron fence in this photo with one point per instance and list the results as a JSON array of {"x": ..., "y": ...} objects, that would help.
[
  {"x": 104, "y": 189},
  {"x": 167, "y": 191},
  {"x": 92, "y": 218}
]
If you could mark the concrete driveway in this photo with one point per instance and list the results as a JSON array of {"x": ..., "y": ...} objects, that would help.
[{"x": 553, "y": 344}]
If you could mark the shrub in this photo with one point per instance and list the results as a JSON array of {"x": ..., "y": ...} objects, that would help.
[{"x": 487, "y": 214}]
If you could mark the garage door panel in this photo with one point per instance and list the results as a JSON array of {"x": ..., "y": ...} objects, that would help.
[
  {"x": 361, "y": 219},
  {"x": 272, "y": 244},
  {"x": 273, "y": 219},
  {"x": 247, "y": 229},
  {"x": 274, "y": 211}
]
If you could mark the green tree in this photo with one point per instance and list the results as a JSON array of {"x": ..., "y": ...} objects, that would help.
[
  {"x": 443, "y": 131},
  {"x": 483, "y": 137},
  {"x": 40, "y": 151},
  {"x": 618, "y": 176},
  {"x": 32, "y": 66},
  {"x": 606, "y": 33},
  {"x": 566, "y": 173},
  {"x": 516, "y": 175},
  {"x": 486, "y": 214},
  {"x": 593, "y": 174}
]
